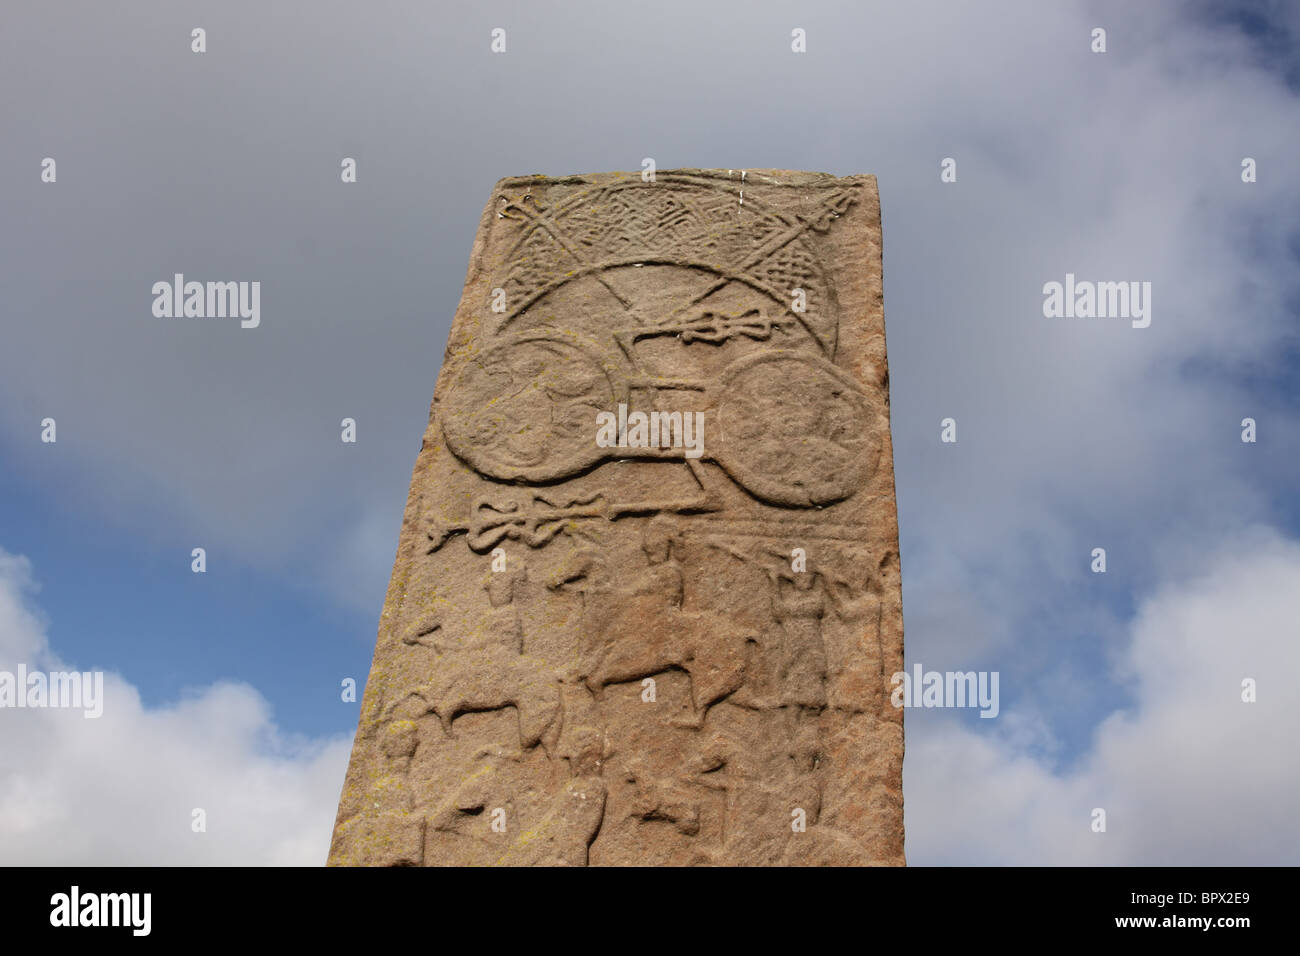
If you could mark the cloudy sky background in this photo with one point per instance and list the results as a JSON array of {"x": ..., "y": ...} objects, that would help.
[{"x": 1119, "y": 690}]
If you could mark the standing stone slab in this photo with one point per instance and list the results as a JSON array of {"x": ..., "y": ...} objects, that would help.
[{"x": 602, "y": 649}]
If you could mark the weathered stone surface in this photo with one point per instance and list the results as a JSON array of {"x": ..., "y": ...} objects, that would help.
[{"x": 616, "y": 655}]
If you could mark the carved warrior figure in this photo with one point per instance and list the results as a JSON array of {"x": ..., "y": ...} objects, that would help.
[{"x": 673, "y": 647}]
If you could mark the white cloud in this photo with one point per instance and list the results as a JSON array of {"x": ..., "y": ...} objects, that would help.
[
  {"x": 1189, "y": 775},
  {"x": 120, "y": 789}
]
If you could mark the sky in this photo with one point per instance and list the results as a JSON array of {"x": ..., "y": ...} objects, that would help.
[{"x": 1119, "y": 690}]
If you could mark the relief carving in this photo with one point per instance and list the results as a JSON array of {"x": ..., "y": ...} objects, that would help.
[{"x": 648, "y": 598}]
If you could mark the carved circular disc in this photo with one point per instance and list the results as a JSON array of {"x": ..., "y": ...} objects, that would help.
[
  {"x": 525, "y": 410},
  {"x": 794, "y": 430}
]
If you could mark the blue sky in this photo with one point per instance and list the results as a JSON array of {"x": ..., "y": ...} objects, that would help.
[
  {"x": 114, "y": 602},
  {"x": 1073, "y": 434}
]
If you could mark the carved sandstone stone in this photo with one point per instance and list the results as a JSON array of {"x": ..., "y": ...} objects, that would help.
[{"x": 646, "y": 600}]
